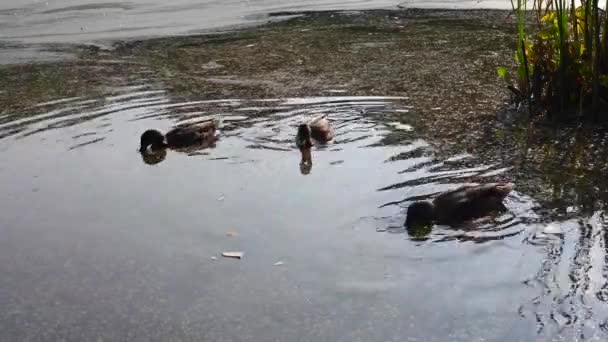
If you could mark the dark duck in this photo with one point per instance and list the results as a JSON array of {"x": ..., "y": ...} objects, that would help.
[
  {"x": 197, "y": 135},
  {"x": 458, "y": 206},
  {"x": 319, "y": 130}
]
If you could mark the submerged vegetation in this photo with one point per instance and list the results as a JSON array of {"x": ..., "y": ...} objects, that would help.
[{"x": 562, "y": 64}]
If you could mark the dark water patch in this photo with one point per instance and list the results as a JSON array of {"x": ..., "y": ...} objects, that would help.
[
  {"x": 86, "y": 134},
  {"x": 258, "y": 146},
  {"x": 86, "y": 143},
  {"x": 96, "y": 6}
]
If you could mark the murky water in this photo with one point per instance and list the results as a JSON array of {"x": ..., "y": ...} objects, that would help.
[
  {"x": 97, "y": 244},
  {"x": 85, "y": 21}
]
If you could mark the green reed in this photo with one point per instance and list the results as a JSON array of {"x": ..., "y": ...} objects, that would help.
[{"x": 562, "y": 58}]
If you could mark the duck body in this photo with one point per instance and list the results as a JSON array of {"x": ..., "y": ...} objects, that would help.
[
  {"x": 318, "y": 129},
  {"x": 321, "y": 130},
  {"x": 190, "y": 135},
  {"x": 179, "y": 137},
  {"x": 470, "y": 201},
  {"x": 460, "y": 205}
]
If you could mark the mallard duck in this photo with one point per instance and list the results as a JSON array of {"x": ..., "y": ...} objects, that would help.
[
  {"x": 179, "y": 137},
  {"x": 319, "y": 129},
  {"x": 460, "y": 205}
]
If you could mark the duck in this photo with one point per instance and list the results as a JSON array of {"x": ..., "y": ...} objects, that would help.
[
  {"x": 453, "y": 207},
  {"x": 319, "y": 129},
  {"x": 180, "y": 137}
]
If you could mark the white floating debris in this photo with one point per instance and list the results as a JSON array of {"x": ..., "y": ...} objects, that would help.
[
  {"x": 278, "y": 263},
  {"x": 235, "y": 255},
  {"x": 213, "y": 258},
  {"x": 401, "y": 126},
  {"x": 552, "y": 228},
  {"x": 212, "y": 65}
]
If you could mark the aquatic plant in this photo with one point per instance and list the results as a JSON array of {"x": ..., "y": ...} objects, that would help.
[{"x": 562, "y": 64}]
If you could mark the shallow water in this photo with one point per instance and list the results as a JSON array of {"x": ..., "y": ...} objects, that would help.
[
  {"x": 86, "y": 21},
  {"x": 97, "y": 244}
]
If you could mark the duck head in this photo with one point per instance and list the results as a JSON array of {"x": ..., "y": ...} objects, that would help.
[
  {"x": 420, "y": 217},
  {"x": 152, "y": 138},
  {"x": 303, "y": 138}
]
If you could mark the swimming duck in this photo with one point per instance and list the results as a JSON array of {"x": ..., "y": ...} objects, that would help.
[
  {"x": 319, "y": 129},
  {"x": 179, "y": 137},
  {"x": 460, "y": 205}
]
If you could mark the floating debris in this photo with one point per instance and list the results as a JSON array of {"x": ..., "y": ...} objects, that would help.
[
  {"x": 235, "y": 255},
  {"x": 212, "y": 65},
  {"x": 213, "y": 258},
  {"x": 231, "y": 234},
  {"x": 278, "y": 263},
  {"x": 401, "y": 126},
  {"x": 552, "y": 228}
]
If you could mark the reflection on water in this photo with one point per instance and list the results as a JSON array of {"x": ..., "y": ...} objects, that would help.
[
  {"x": 134, "y": 243},
  {"x": 572, "y": 280}
]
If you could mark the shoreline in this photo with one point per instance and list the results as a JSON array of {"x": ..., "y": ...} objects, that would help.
[{"x": 18, "y": 51}]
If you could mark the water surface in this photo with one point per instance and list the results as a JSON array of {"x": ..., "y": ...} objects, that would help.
[
  {"x": 98, "y": 244},
  {"x": 87, "y": 21}
]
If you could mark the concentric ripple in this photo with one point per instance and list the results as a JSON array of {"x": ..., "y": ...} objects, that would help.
[{"x": 103, "y": 223}]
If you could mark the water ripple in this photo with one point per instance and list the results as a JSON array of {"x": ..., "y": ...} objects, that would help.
[{"x": 377, "y": 165}]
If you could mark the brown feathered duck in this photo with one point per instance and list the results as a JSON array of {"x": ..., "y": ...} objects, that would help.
[
  {"x": 319, "y": 129},
  {"x": 457, "y": 206},
  {"x": 179, "y": 137}
]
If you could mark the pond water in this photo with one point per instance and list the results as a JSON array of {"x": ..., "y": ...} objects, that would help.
[
  {"x": 86, "y": 21},
  {"x": 98, "y": 244},
  {"x": 95, "y": 244}
]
